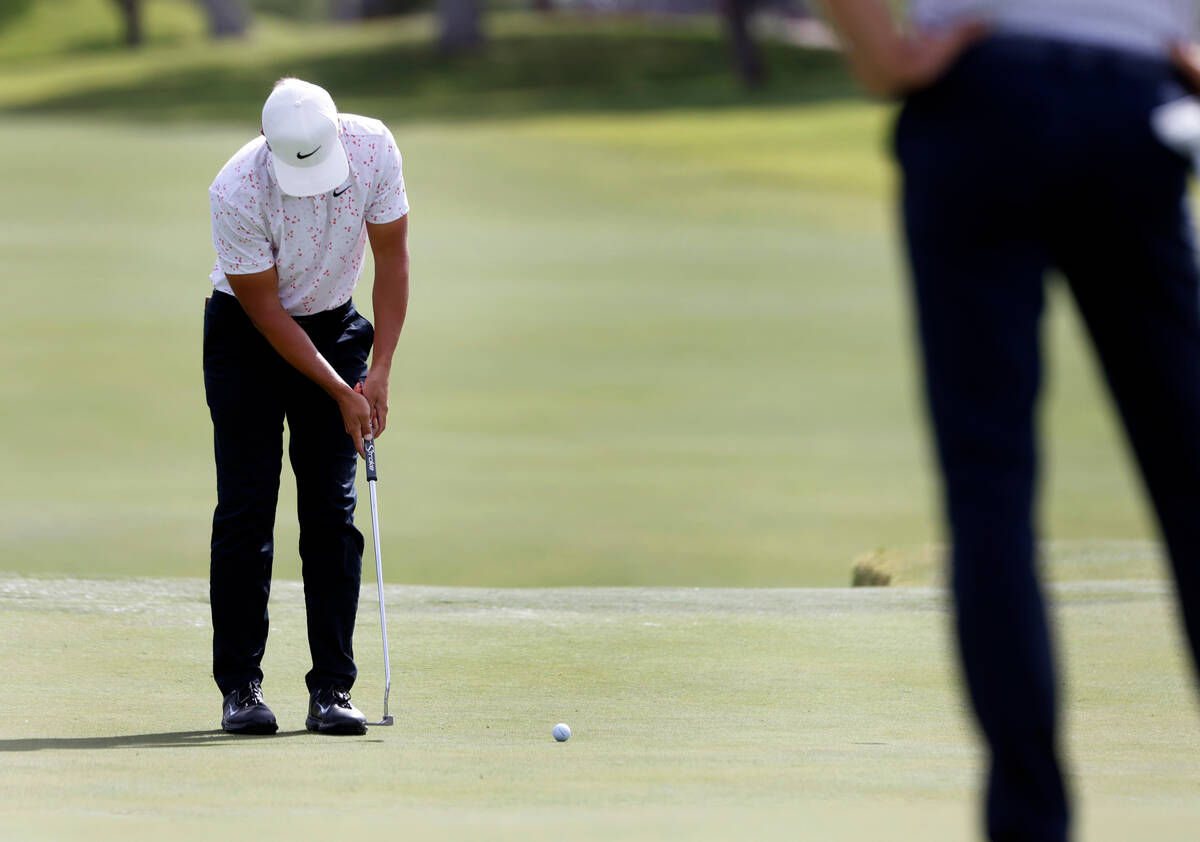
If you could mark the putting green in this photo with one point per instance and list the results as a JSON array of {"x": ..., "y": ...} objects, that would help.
[{"x": 822, "y": 714}]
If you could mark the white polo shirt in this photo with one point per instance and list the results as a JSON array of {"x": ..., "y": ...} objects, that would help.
[
  {"x": 1146, "y": 26},
  {"x": 316, "y": 243}
]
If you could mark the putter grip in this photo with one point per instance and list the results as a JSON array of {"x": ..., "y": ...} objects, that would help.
[{"x": 369, "y": 448}]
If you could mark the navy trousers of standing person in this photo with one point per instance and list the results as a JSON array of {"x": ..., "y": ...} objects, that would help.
[
  {"x": 1028, "y": 156},
  {"x": 251, "y": 390}
]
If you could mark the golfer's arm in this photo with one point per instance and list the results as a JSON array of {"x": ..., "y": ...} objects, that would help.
[
  {"x": 389, "y": 295},
  {"x": 259, "y": 297}
]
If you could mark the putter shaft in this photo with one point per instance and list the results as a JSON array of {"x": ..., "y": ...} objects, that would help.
[{"x": 372, "y": 478}]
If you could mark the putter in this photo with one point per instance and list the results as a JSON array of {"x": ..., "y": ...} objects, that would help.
[{"x": 372, "y": 478}]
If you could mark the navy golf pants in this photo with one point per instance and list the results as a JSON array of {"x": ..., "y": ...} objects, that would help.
[
  {"x": 251, "y": 390},
  {"x": 1030, "y": 156}
]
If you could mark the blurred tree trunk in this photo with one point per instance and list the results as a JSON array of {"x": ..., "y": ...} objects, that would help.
[
  {"x": 131, "y": 12},
  {"x": 460, "y": 25},
  {"x": 226, "y": 18},
  {"x": 347, "y": 9},
  {"x": 543, "y": 5},
  {"x": 746, "y": 55}
]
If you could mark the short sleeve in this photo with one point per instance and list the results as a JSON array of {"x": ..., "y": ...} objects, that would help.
[
  {"x": 243, "y": 247},
  {"x": 389, "y": 201}
]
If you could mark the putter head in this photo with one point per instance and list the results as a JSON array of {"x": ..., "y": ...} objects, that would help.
[{"x": 387, "y": 720}]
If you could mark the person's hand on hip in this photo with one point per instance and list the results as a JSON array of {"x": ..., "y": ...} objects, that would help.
[
  {"x": 1186, "y": 58},
  {"x": 888, "y": 60}
]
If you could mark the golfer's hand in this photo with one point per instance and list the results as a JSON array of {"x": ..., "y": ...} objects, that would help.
[
  {"x": 375, "y": 390},
  {"x": 1186, "y": 58},
  {"x": 356, "y": 415},
  {"x": 917, "y": 60}
]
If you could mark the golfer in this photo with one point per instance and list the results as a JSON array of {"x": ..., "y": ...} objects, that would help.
[
  {"x": 292, "y": 211},
  {"x": 1026, "y": 145}
]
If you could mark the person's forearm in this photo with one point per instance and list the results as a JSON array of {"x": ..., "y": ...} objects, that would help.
[
  {"x": 258, "y": 294},
  {"x": 291, "y": 342},
  {"x": 389, "y": 295},
  {"x": 389, "y": 298},
  {"x": 889, "y": 61},
  {"x": 871, "y": 38}
]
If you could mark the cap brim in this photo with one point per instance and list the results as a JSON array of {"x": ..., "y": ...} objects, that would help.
[{"x": 314, "y": 180}]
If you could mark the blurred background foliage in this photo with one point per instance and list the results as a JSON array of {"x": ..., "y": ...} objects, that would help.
[
  {"x": 66, "y": 56},
  {"x": 454, "y": 26}
]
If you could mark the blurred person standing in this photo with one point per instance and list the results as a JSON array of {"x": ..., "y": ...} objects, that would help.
[
  {"x": 292, "y": 212},
  {"x": 1025, "y": 144}
]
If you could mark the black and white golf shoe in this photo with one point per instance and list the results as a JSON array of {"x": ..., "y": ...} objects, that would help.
[
  {"x": 245, "y": 712},
  {"x": 330, "y": 712}
]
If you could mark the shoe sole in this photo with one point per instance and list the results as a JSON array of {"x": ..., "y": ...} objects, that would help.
[
  {"x": 253, "y": 728},
  {"x": 352, "y": 729}
]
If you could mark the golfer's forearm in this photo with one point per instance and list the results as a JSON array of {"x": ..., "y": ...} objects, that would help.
[
  {"x": 389, "y": 298},
  {"x": 258, "y": 293},
  {"x": 291, "y": 342}
]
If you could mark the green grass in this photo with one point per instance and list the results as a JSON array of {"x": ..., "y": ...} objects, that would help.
[
  {"x": 627, "y": 362},
  {"x": 822, "y": 714}
]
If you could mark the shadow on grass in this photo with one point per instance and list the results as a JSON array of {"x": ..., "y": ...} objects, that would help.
[{"x": 170, "y": 739}]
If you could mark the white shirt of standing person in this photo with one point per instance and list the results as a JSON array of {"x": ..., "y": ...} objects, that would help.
[
  {"x": 315, "y": 242},
  {"x": 1141, "y": 26}
]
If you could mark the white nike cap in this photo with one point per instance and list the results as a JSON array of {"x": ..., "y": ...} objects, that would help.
[{"x": 300, "y": 123}]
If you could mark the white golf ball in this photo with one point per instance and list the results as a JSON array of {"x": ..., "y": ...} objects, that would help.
[{"x": 562, "y": 732}]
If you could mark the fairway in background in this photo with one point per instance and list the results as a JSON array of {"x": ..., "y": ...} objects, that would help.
[{"x": 647, "y": 345}]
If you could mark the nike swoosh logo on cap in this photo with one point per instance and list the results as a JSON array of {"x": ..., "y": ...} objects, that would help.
[{"x": 309, "y": 155}]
